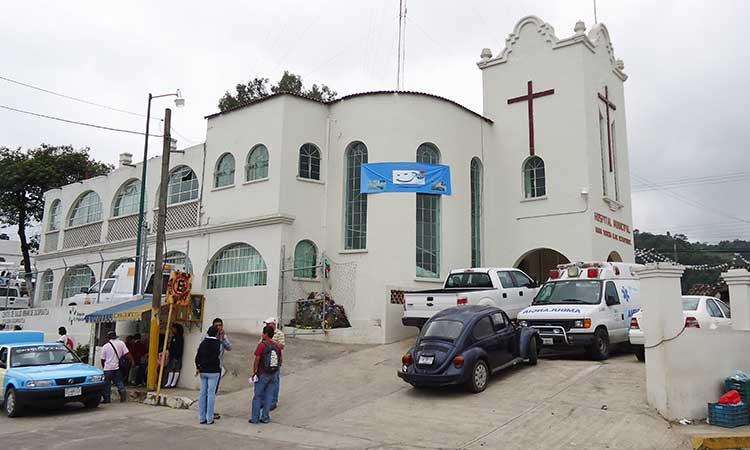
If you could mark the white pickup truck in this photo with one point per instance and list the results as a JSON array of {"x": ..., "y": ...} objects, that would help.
[
  {"x": 506, "y": 288},
  {"x": 11, "y": 298},
  {"x": 119, "y": 287}
]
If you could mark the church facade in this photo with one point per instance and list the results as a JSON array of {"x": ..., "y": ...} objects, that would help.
[{"x": 269, "y": 208}]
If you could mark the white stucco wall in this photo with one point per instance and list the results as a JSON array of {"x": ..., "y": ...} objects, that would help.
[{"x": 281, "y": 210}]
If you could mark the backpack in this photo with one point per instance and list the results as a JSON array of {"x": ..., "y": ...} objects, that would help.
[
  {"x": 69, "y": 343},
  {"x": 271, "y": 359}
]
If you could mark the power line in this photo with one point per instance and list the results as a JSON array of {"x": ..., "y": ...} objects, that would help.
[
  {"x": 688, "y": 201},
  {"x": 696, "y": 181},
  {"x": 69, "y": 97},
  {"x": 88, "y": 102},
  {"x": 75, "y": 122}
]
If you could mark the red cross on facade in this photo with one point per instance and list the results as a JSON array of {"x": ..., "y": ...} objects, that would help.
[
  {"x": 610, "y": 105},
  {"x": 529, "y": 97}
]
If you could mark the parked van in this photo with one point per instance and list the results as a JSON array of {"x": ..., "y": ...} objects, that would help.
[
  {"x": 585, "y": 305},
  {"x": 119, "y": 287}
]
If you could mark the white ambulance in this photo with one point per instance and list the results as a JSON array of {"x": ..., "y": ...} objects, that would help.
[{"x": 585, "y": 305}]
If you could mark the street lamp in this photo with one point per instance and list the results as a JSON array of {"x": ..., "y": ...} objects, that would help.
[{"x": 140, "y": 258}]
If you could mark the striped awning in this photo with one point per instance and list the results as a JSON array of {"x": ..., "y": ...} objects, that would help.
[{"x": 126, "y": 311}]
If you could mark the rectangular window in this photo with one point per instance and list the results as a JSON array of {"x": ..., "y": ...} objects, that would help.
[
  {"x": 614, "y": 162},
  {"x": 428, "y": 235},
  {"x": 476, "y": 213},
  {"x": 603, "y": 146},
  {"x": 355, "y": 216}
]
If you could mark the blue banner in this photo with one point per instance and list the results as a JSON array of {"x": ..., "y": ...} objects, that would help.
[{"x": 405, "y": 177}]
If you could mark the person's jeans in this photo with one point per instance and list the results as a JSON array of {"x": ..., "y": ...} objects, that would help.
[
  {"x": 263, "y": 397},
  {"x": 207, "y": 397},
  {"x": 140, "y": 374},
  {"x": 276, "y": 388},
  {"x": 113, "y": 377}
]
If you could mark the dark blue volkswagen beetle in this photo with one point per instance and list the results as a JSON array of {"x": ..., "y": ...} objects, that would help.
[{"x": 465, "y": 345}]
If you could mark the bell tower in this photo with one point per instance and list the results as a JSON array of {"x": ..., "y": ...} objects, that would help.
[{"x": 559, "y": 145}]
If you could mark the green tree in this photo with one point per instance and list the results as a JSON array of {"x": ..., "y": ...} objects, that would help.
[
  {"x": 26, "y": 175},
  {"x": 258, "y": 88}
]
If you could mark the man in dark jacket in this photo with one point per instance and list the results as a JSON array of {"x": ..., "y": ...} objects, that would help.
[{"x": 208, "y": 366}]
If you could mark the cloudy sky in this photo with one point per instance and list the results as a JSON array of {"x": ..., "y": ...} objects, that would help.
[{"x": 688, "y": 124}]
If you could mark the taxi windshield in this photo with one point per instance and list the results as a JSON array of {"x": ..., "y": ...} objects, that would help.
[
  {"x": 41, "y": 355},
  {"x": 576, "y": 292}
]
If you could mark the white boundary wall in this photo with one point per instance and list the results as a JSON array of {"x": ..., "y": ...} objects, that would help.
[{"x": 686, "y": 372}]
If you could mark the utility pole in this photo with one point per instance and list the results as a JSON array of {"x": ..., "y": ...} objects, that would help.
[
  {"x": 153, "y": 341},
  {"x": 140, "y": 258}
]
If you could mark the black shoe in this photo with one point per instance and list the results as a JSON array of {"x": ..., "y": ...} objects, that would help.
[{"x": 217, "y": 416}]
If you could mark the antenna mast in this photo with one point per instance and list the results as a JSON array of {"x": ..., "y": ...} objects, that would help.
[
  {"x": 401, "y": 44},
  {"x": 595, "y": 19}
]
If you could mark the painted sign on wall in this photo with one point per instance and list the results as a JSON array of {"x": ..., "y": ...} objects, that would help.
[{"x": 405, "y": 177}]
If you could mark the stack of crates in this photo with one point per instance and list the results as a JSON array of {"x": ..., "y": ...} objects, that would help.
[{"x": 730, "y": 416}]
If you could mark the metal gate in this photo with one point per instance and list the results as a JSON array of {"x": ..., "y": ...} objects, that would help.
[{"x": 304, "y": 303}]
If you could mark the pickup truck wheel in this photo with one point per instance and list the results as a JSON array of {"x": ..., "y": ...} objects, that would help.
[
  {"x": 533, "y": 352},
  {"x": 640, "y": 353},
  {"x": 11, "y": 406},
  {"x": 480, "y": 375},
  {"x": 599, "y": 349}
]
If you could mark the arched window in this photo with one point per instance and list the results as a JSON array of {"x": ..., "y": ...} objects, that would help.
[
  {"x": 179, "y": 258},
  {"x": 309, "y": 162},
  {"x": 428, "y": 221},
  {"x": 87, "y": 209},
  {"x": 128, "y": 199},
  {"x": 355, "y": 215},
  {"x": 224, "y": 171},
  {"x": 47, "y": 282},
  {"x": 238, "y": 265},
  {"x": 183, "y": 185},
  {"x": 533, "y": 178},
  {"x": 54, "y": 215},
  {"x": 476, "y": 212},
  {"x": 257, "y": 163},
  {"x": 77, "y": 278},
  {"x": 305, "y": 259}
]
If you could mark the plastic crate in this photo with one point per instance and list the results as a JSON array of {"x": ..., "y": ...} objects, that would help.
[
  {"x": 743, "y": 387},
  {"x": 728, "y": 416}
]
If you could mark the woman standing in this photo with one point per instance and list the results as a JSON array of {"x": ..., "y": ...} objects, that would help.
[
  {"x": 174, "y": 363},
  {"x": 208, "y": 366}
]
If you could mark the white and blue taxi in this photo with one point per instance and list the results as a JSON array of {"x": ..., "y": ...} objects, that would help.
[
  {"x": 585, "y": 305},
  {"x": 34, "y": 372}
]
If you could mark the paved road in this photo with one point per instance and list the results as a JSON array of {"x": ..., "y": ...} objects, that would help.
[{"x": 356, "y": 401}]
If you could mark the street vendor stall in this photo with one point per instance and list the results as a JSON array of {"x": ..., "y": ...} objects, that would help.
[{"x": 139, "y": 310}]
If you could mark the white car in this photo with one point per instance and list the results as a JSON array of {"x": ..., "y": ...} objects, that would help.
[{"x": 699, "y": 312}]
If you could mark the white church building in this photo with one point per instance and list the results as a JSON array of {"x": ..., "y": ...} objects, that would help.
[{"x": 538, "y": 178}]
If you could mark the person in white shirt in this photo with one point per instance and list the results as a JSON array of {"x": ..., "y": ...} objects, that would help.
[
  {"x": 64, "y": 337},
  {"x": 112, "y": 353}
]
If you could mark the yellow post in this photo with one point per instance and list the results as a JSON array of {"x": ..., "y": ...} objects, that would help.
[
  {"x": 164, "y": 351},
  {"x": 153, "y": 349}
]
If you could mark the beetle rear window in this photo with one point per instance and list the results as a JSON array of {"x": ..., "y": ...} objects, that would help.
[
  {"x": 443, "y": 329},
  {"x": 468, "y": 280}
]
